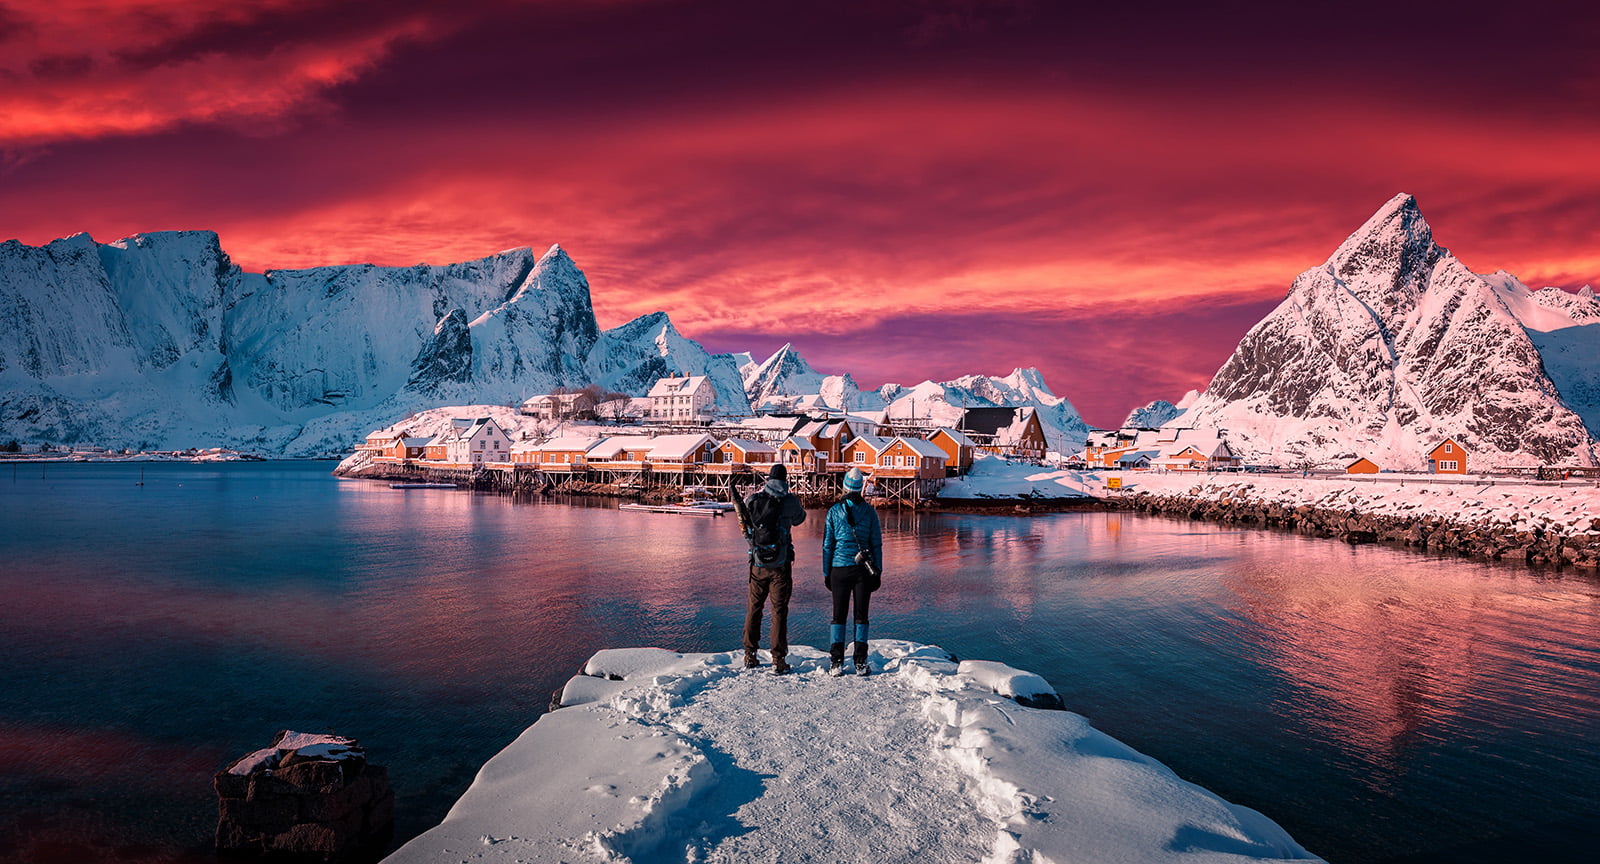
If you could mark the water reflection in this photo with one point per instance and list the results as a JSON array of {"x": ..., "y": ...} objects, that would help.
[
  {"x": 1381, "y": 661},
  {"x": 1372, "y": 700}
]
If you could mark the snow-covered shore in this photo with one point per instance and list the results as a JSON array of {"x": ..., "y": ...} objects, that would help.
[
  {"x": 1507, "y": 502},
  {"x": 659, "y": 756}
]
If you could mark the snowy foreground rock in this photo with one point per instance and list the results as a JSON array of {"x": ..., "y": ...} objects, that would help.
[{"x": 658, "y": 756}]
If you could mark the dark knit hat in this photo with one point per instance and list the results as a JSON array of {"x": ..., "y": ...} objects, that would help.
[{"x": 779, "y": 472}]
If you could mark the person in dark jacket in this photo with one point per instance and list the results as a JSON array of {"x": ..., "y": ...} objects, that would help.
[
  {"x": 773, "y": 579},
  {"x": 852, "y": 567}
]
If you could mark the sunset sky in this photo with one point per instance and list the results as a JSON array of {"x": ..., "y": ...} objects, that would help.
[{"x": 904, "y": 189}]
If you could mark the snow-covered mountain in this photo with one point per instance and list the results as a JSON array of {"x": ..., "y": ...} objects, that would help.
[
  {"x": 1160, "y": 412},
  {"x": 770, "y": 383},
  {"x": 158, "y": 340},
  {"x": 1152, "y": 416},
  {"x": 785, "y": 381},
  {"x": 1393, "y": 344}
]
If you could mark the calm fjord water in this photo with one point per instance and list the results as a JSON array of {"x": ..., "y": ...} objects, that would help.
[{"x": 1379, "y": 704}]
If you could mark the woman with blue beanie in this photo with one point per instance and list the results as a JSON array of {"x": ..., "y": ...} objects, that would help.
[{"x": 852, "y": 566}]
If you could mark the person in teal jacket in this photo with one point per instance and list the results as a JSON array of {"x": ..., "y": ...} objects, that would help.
[{"x": 852, "y": 567}]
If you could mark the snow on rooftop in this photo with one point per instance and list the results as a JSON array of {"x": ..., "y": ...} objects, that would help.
[
  {"x": 677, "y": 446},
  {"x": 565, "y": 442},
  {"x": 660, "y": 756},
  {"x": 923, "y": 447}
]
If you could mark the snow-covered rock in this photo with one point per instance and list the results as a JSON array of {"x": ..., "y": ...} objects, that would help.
[
  {"x": 1392, "y": 345},
  {"x": 690, "y": 757}
]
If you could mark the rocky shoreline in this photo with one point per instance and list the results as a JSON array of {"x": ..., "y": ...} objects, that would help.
[{"x": 1489, "y": 539}]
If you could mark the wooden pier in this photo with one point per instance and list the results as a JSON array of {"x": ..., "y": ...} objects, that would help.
[{"x": 644, "y": 479}]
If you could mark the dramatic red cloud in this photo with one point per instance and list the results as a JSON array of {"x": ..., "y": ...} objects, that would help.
[
  {"x": 842, "y": 176},
  {"x": 94, "y": 68}
]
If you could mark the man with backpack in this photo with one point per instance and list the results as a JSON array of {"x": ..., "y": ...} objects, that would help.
[{"x": 770, "y": 512}]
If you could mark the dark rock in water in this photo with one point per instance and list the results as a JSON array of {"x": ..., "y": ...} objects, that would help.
[{"x": 307, "y": 797}]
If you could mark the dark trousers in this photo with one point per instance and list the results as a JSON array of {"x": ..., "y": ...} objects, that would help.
[
  {"x": 777, "y": 583},
  {"x": 850, "y": 582}
]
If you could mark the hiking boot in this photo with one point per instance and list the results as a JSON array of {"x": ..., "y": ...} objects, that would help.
[
  {"x": 835, "y": 667},
  {"x": 863, "y": 669},
  {"x": 751, "y": 661},
  {"x": 780, "y": 666}
]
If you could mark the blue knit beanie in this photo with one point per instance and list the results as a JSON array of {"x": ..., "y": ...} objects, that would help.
[{"x": 854, "y": 480}]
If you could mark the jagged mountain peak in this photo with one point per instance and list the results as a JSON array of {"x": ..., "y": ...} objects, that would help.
[
  {"x": 1394, "y": 343},
  {"x": 783, "y": 374},
  {"x": 145, "y": 239},
  {"x": 1387, "y": 261},
  {"x": 787, "y": 358}
]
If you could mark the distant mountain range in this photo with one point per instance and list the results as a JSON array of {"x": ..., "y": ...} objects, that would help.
[
  {"x": 159, "y": 340},
  {"x": 1393, "y": 345}
]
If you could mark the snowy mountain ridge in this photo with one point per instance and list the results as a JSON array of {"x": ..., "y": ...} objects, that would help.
[
  {"x": 786, "y": 382},
  {"x": 159, "y": 340},
  {"x": 1393, "y": 345}
]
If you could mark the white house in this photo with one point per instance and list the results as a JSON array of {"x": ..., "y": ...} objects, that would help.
[
  {"x": 471, "y": 442},
  {"x": 683, "y": 400}
]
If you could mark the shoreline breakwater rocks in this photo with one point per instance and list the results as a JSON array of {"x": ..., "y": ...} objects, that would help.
[
  {"x": 1553, "y": 545},
  {"x": 306, "y": 798}
]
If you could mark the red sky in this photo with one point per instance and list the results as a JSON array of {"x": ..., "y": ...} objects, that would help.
[{"x": 901, "y": 188}]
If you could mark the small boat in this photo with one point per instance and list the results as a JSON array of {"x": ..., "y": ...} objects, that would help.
[
  {"x": 698, "y": 496},
  {"x": 678, "y": 509},
  {"x": 422, "y": 485}
]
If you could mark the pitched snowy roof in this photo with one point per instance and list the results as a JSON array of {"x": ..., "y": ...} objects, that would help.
[
  {"x": 677, "y": 446},
  {"x": 566, "y": 443},
  {"x": 798, "y": 443},
  {"x": 956, "y": 435},
  {"x": 677, "y": 386},
  {"x": 611, "y": 447},
  {"x": 750, "y": 446},
  {"x": 415, "y": 442},
  {"x": 874, "y": 442},
  {"x": 923, "y": 447}
]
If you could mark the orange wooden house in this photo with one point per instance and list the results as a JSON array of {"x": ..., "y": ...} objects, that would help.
[
  {"x": 911, "y": 457},
  {"x": 800, "y": 454},
  {"x": 830, "y": 437},
  {"x": 565, "y": 453},
  {"x": 381, "y": 441},
  {"x": 862, "y": 452},
  {"x": 958, "y": 450},
  {"x": 404, "y": 449},
  {"x": 745, "y": 451},
  {"x": 1447, "y": 458},
  {"x": 1361, "y": 466}
]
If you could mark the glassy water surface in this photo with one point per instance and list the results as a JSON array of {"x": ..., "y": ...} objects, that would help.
[{"x": 1380, "y": 704}]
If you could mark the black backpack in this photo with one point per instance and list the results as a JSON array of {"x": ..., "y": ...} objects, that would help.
[{"x": 768, "y": 546}]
